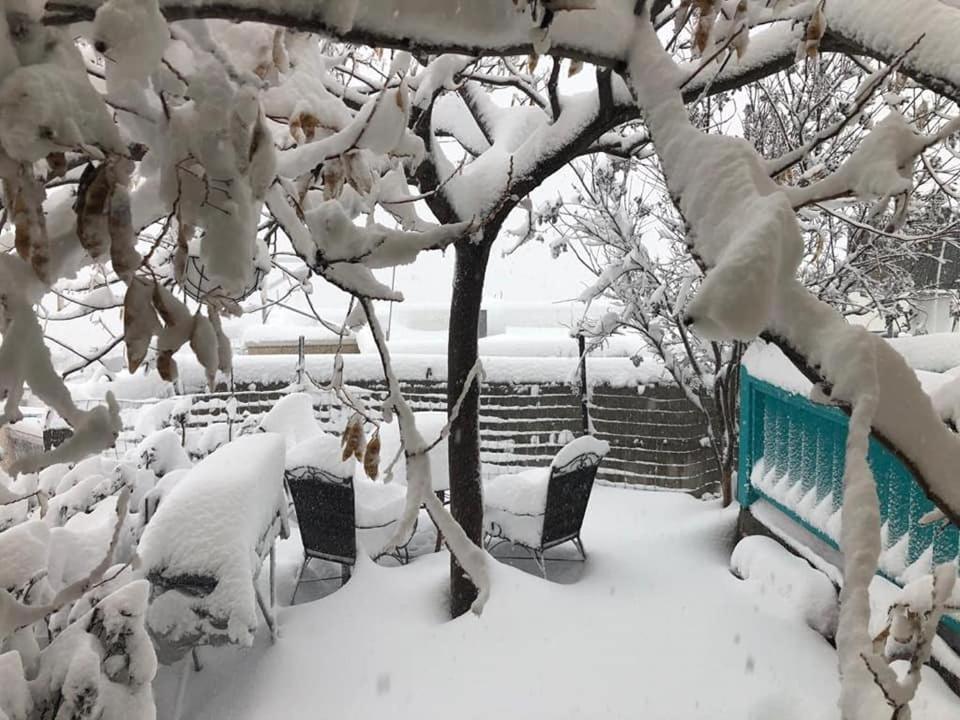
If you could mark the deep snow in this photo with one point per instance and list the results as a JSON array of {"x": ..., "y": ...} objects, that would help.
[{"x": 654, "y": 625}]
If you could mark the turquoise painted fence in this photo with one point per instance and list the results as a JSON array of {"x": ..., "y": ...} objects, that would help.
[{"x": 792, "y": 456}]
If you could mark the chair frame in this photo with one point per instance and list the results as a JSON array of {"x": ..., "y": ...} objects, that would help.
[
  {"x": 347, "y": 510},
  {"x": 334, "y": 494},
  {"x": 565, "y": 510}
]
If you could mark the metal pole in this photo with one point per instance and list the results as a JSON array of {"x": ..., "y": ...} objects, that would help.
[
  {"x": 584, "y": 409},
  {"x": 301, "y": 359},
  {"x": 393, "y": 283}
]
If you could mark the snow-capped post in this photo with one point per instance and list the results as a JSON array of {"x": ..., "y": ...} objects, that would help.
[
  {"x": 584, "y": 407},
  {"x": 301, "y": 360}
]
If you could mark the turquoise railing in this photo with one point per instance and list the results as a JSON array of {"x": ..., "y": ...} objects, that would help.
[{"x": 792, "y": 456}]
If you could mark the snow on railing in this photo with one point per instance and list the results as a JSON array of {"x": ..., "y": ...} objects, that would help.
[{"x": 792, "y": 456}]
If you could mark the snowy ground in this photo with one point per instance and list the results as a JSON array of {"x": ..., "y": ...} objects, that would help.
[{"x": 654, "y": 625}]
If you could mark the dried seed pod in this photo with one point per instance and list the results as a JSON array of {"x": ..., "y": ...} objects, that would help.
[
  {"x": 371, "y": 457},
  {"x": 25, "y": 195},
  {"x": 123, "y": 253},
  {"x": 57, "y": 165},
  {"x": 352, "y": 439},
  {"x": 167, "y": 366},
  {"x": 203, "y": 342},
  {"x": 92, "y": 207},
  {"x": 140, "y": 321}
]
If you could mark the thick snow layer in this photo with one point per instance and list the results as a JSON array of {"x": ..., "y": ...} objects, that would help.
[
  {"x": 24, "y": 551},
  {"x": 775, "y": 570},
  {"x": 618, "y": 372},
  {"x": 162, "y": 453},
  {"x": 260, "y": 335},
  {"x": 293, "y": 418},
  {"x": 883, "y": 26},
  {"x": 937, "y": 352},
  {"x": 766, "y": 362},
  {"x": 321, "y": 450},
  {"x": 514, "y": 505},
  {"x": 653, "y": 625},
  {"x": 581, "y": 446},
  {"x": 213, "y": 524}
]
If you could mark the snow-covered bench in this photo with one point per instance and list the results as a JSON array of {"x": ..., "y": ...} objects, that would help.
[
  {"x": 203, "y": 549},
  {"x": 542, "y": 508}
]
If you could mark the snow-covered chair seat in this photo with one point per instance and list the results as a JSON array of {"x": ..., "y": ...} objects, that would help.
[
  {"x": 328, "y": 512},
  {"x": 541, "y": 508},
  {"x": 379, "y": 507},
  {"x": 203, "y": 549}
]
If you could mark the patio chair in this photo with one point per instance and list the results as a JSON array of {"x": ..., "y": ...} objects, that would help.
[
  {"x": 324, "y": 498},
  {"x": 542, "y": 508},
  {"x": 327, "y": 518}
]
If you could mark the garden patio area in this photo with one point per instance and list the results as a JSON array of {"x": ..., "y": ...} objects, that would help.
[{"x": 653, "y": 625}]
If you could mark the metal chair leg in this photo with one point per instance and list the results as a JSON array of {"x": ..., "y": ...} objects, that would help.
[
  {"x": 273, "y": 578},
  {"x": 538, "y": 556},
  {"x": 181, "y": 689},
  {"x": 296, "y": 585},
  {"x": 579, "y": 544},
  {"x": 267, "y": 614}
]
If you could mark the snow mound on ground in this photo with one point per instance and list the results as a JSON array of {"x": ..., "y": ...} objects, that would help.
[
  {"x": 211, "y": 525},
  {"x": 808, "y": 592}
]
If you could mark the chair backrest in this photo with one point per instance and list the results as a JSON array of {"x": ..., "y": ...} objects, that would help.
[
  {"x": 325, "y": 513},
  {"x": 568, "y": 491}
]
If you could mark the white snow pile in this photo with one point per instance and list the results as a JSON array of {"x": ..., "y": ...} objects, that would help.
[
  {"x": 585, "y": 445},
  {"x": 324, "y": 451},
  {"x": 204, "y": 547},
  {"x": 804, "y": 591},
  {"x": 293, "y": 418},
  {"x": 101, "y": 666},
  {"x": 161, "y": 452},
  {"x": 24, "y": 550},
  {"x": 132, "y": 35},
  {"x": 937, "y": 352}
]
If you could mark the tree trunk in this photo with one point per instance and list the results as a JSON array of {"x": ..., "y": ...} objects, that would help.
[{"x": 466, "y": 499}]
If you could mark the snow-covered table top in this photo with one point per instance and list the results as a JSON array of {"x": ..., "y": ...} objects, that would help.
[{"x": 203, "y": 549}]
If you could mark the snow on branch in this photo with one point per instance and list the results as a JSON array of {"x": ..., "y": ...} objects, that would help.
[
  {"x": 472, "y": 558},
  {"x": 742, "y": 228}
]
